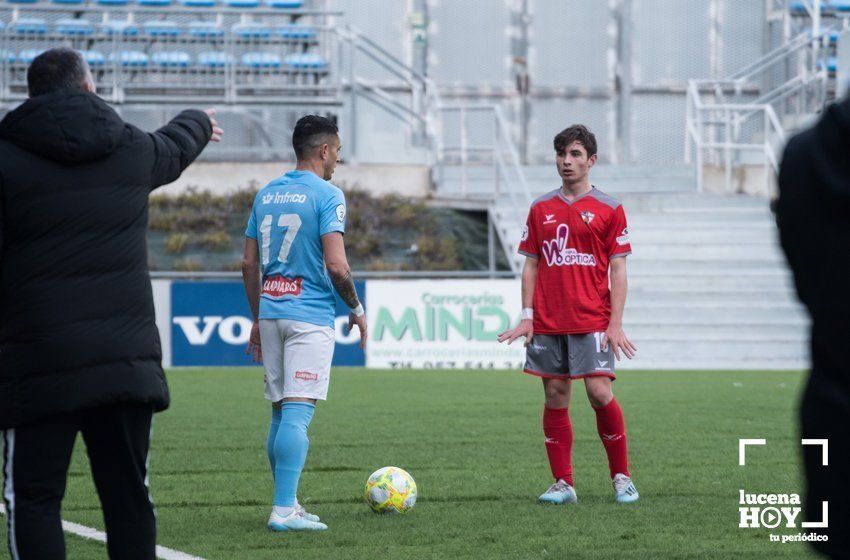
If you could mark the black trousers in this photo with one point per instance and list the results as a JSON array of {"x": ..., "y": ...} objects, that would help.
[
  {"x": 825, "y": 414},
  {"x": 35, "y": 467}
]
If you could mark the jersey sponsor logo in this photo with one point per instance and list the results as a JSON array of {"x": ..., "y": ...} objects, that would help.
[
  {"x": 279, "y": 286},
  {"x": 306, "y": 376},
  {"x": 623, "y": 239},
  {"x": 524, "y": 233},
  {"x": 557, "y": 253},
  {"x": 587, "y": 216},
  {"x": 550, "y": 219},
  {"x": 283, "y": 198},
  {"x": 340, "y": 213}
]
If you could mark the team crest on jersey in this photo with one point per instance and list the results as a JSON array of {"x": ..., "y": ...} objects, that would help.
[
  {"x": 279, "y": 286},
  {"x": 557, "y": 253},
  {"x": 523, "y": 235},
  {"x": 587, "y": 216}
]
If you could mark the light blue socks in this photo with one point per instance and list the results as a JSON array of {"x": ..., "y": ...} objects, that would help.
[
  {"x": 288, "y": 452},
  {"x": 273, "y": 426}
]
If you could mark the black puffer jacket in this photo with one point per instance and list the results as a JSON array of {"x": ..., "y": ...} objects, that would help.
[
  {"x": 77, "y": 323},
  {"x": 813, "y": 212}
]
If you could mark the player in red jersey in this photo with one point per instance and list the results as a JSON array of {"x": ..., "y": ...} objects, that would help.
[{"x": 572, "y": 322}]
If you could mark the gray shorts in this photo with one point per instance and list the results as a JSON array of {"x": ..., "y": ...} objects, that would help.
[{"x": 569, "y": 356}]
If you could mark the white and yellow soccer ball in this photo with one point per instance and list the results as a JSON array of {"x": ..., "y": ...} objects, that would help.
[{"x": 391, "y": 490}]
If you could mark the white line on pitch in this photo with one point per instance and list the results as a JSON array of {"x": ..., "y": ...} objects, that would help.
[{"x": 88, "y": 533}]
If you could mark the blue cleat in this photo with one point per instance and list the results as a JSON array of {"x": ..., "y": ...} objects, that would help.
[
  {"x": 295, "y": 521},
  {"x": 624, "y": 489},
  {"x": 559, "y": 493}
]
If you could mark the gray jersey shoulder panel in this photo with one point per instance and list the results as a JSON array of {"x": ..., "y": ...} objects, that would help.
[
  {"x": 604, "y": 198},
  {"x": 542, "y": 198}
]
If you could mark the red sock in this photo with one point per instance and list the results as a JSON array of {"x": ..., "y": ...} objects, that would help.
[
  {"x": 559, "y": 442},
  {"x": 612, "y": 431}
]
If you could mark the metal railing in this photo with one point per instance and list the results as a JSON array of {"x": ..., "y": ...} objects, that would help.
[
  {"x": 748, "y": 111},
  {"x": 718, "y": 134}
]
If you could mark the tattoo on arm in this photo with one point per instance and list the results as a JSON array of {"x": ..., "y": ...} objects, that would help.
[{"x": 345, "y": 288}]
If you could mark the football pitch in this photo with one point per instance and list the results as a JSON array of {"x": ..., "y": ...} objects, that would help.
[{"x": 473, "y": 442}]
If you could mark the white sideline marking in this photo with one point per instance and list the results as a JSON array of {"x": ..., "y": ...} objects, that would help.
[{"x": 93, "y": 534}]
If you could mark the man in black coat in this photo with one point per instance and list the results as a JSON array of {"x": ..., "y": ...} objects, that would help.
[
  {"x": 79, "y": 348},
  {"x": 813, "y": 212}
]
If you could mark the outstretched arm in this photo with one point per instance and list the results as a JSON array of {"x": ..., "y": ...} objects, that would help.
[
  {"x": 177, "y": 144},
  {"x": 340, "y": 273},
  {"x": 526, "y": 324},
  {"x": 614, "y": 335},
  {"x": 251, "y": 277}
]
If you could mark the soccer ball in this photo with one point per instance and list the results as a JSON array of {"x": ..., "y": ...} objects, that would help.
[{"x": 391, "y": 490}]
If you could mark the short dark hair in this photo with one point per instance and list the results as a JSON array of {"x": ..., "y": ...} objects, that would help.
[
  {"x": 310, "y": 132},
  {"x": 576, "y": 133},
  {"x": 56, "y": 69}
]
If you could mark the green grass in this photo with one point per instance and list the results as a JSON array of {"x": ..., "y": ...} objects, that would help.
[{"x": 473, "y": 442}]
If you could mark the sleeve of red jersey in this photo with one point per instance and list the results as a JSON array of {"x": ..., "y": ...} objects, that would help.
[
  {"x": 528, "y": 239},
  {"x": 618, "y": 235}
]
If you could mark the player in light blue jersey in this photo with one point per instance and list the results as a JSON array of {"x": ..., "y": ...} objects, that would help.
[{"x": 294, "y": 258}]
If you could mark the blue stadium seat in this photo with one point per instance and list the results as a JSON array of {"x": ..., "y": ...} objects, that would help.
[
  {"x": 198, "y": 3},
  {"x": 74, "y": 27},
  {"x": 285, "y": 4},
  {"x": 305, "y": 61},
  {"x": 261, "y": 60},
  {"x": 171, "y": 59},
  {"x": 833, "y": 37},
  {"x": 213, "y": 59},
  {"x": 67, "y": 1},
  {"x": 95, "y": 59},
  {"x": 22, "y": 1},
  {"x": 242, "y": 3},
  {"x": 205, "y": 29},
  {"x": 29, "y": 25},
  {"x": 162, "y": 28},
  {"x": 840, "y": 5},
  {"x": 7, "y": 56},
  {"x": 296, "y": 32},
  {"x": 121, "y": 27},
  {"x": 832, "y": 64},
  {"x": 251, "y": 31},
  {"x": 112, "y": 2},
  {"x": 154, "y": 3},
  {"x": 28, "y": 55},
  {"x": 136, "y": 59}
]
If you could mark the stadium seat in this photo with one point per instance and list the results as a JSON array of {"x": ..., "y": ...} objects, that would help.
[
  {"x": 7, "y": 56},
  {"x": 285, "y": 4},
  {"x": 136, "y": 59},
  {"x": 213, "y": 59},
  {"x": 242, "y": 3},
  {"x": 840, "y": 5},
  {"x": 74, "y": 27},
  {"x": 171, "y": 59},
  {"x": 162, "y": 28},
  {"x": 296, "y": 32},
  {"x": 251, "y": 31},
  {"x": 121, "y": 27},
  {"x": 305, "y": 61},
  {"x": 22, "y": 1},
  {"x": 67, "y": 1},
  {"x": 95, "y": 59},
  {"x": 154, "y": 3},
  {"x": 261, "y": 60},
  {"x": 112, "y": 2},
  {"x": 198, "y": 3},
  {"x": 28, "y": 55},
  {"x": 205, "y": 29},
  {"x": 29, "y": 25},
  {"x": 832, "y": 64}
]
